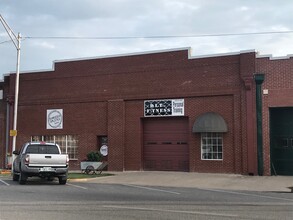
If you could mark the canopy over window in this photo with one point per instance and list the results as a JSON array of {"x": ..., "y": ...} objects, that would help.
[{"x": 209, "y": 122}]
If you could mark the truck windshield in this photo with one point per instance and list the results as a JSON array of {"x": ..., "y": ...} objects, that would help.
[{"x": 42, "y": 149}]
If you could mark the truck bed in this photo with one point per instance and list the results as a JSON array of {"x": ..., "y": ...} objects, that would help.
[{"x": 47, "y": 160}]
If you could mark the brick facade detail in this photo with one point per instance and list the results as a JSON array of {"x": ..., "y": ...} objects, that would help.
[
  {"x": 105, "y": 97},
  {"x": 279, "y": 84}
]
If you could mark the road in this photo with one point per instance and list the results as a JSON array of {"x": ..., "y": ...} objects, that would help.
[{"x": 84, "y": 200}]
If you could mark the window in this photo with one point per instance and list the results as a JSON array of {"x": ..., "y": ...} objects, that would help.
[
  {"x": 211, "y": 146},
  {"x": 103, "y": 140},
  {"x": 68, "y": 143},
  {"x": 72, "y": 146},
  {"x": 1, "y": 94},
  {"x": 42, "y": 149}
]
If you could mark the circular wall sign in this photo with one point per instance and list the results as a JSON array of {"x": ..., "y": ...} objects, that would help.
[
  {"x": 104, "y": 150},
  {"x": 55, "y": 119}
]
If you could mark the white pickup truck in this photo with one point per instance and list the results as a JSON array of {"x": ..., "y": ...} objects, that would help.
[{"x": 40, "y": 159}]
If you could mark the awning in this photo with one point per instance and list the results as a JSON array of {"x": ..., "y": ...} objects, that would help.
[{"x": 209, "y": 122}]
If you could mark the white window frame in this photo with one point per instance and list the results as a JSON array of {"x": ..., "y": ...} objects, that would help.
[{"x": 209, "y": 143}]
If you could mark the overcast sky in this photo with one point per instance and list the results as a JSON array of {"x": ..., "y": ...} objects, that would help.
[{"x": 138, "y": 18}]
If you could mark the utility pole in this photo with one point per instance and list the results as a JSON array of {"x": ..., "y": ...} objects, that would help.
[{"x": 16, "y": 39}]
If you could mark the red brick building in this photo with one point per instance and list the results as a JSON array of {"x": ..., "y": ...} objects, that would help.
[{"x": 160, "y": 111}]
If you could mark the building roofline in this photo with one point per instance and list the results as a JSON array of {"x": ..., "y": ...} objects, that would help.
[
  {"x": 123, "y": 55},
  {"x": 271, "y": 57},
  {"x": 222, "y": 54},
  {"x": 188, "y": 49}
]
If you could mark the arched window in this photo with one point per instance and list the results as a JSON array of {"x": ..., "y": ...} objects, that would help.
[{"x": 211, "y": 126}]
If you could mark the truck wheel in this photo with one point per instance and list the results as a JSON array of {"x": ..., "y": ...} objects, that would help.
[
  {"x": 62, "y": 180},
  {"x": 15, "y": 177},
  {"x": 22, "y": 178}
]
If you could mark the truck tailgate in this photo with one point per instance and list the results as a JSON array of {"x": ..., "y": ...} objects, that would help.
[{"x": 47, "y": 160}]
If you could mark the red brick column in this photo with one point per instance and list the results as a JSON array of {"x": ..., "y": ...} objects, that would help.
[
  {"x": 247, "y": 70},
  {"x": 116, "y": 124}
]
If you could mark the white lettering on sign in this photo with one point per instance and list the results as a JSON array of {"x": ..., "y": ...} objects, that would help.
[{"x": 167, "y": 107}]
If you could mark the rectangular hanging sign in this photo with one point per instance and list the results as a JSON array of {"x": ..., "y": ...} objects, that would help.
[{"x": 166, "y": 107}]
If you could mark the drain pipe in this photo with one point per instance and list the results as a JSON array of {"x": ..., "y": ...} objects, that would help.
[{"x": 259, "y": 78}]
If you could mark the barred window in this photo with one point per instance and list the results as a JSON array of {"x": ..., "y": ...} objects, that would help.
[
  {"x": 211, "y": 146},
  {"x": 72, "y": 146},
  {"x": 68, "y": 143}
]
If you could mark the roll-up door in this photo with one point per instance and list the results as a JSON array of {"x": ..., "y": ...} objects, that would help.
[{"x": 166, "y": 144}]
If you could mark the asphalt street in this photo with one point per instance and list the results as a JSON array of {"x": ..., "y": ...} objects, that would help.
[{"x": 88, "y": 200}]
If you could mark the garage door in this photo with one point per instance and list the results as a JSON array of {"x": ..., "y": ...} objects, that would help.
[
  {"x": 165, "y": 144},
  {"x": 281, "y": 141}
]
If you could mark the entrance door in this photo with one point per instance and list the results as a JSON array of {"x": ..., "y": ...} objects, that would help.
[
  {"x": 281, "y": 141},
  {"x": 165, "y": 144}
]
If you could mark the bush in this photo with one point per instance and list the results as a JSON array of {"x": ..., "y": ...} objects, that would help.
[{"x": 94, "y": 156}]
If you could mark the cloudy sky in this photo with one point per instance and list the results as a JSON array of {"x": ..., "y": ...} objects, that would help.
[{"x": 48, "y": 26}]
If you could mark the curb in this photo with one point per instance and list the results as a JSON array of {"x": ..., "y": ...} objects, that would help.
[{"x": 79, "y": 180}]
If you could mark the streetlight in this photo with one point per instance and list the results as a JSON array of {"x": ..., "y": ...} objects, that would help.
[{"x": 16, "y": 39}]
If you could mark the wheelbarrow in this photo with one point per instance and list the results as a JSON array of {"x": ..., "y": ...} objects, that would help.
[{"x": 89, "y": 167}]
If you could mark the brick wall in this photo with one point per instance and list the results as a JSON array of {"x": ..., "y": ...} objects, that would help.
[
  {"x": 279, "y": 83},
  {"x": 133, "y": 135},
  {"x": 116, "y": 133},
  {"x": 3, "y": 121},
  {"x": 2, "y": 133},
  {"x": 231, "y": 150},
  {"x": 105, "y": 97}
]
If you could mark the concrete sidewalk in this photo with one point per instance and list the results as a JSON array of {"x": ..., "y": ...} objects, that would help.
[{"x": 200, "y": 180}]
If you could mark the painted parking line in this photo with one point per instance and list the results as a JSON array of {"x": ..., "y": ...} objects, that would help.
[
  {"x": 152, "y": 189},
  {"x": 171, "y": 211},
  {"x": 77, "y": 186},
  {"x": 247, "y": 194},
  {"x": 2, "y": 181}
]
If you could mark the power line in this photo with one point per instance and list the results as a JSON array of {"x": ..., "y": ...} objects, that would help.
[
  {"x": 157, "y": 36},
  {"x": 7, "y": 41},
  {"x": 151, "y": 37}
]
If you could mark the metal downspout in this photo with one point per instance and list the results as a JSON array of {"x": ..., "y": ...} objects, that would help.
[{"x": 259, "y": 78}]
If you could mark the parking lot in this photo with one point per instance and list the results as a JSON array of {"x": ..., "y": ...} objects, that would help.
[{"x": 89, "y": 199}]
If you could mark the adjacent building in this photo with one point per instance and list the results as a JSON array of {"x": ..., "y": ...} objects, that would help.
[{"x": 162, "y": 110}]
